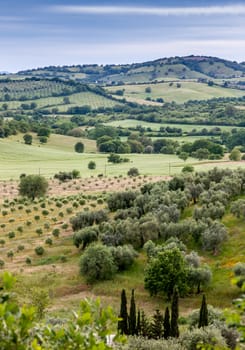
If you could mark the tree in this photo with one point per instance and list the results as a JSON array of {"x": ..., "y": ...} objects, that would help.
[
  {"x": 203, "y": 316},
  {"x": 201, "y": 153},
  {"x": 79, "y": 147},
  {"x": 133, "y": 172},
  {"x": 91, "y": 165},
  {"x": 166, "y": 270},
  {"x": 33, "y": 186},
  {"x": 174, "y": 328},
  {"x": 43, "y": 131},
  {"x": 235, "y": 154},
  {"x": 183, "y": 156},
  {"x": 157, "y": 325},
  {"x": 166, "y": 324},
  {"x": 213, "y": 237},
  {"x": 132, "y": 316},
  {"x": 43, "y": 139},
  {"x": 97, "y": 263},
  {"x": 148, "y": 89},
  {"x": 28, "y": 139},
  {"x": 123, "y": 322}
]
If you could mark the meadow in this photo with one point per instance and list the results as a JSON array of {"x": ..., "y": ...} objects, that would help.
[
  {"x": 170, "y": 92},
  {"x": 58, "y": 154}
]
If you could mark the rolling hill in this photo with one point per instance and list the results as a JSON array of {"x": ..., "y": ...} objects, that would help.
[{"x": 189, "y": 67}]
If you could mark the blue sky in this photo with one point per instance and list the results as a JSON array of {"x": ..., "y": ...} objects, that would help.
[{"x": 57, "y": 32}]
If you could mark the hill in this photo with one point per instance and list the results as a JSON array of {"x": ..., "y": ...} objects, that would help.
[{"x": 189, "y": 67}]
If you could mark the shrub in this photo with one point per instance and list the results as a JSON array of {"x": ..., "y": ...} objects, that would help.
[
  {"x": 91, "y": 165},
  {"x": 133, "y": 172},
  {"x": 123, "y": 256},
  {"x": 97, "y": 263},
  {"x": 85, "y": 236},
  {"x": 49, "y": 241},
  {"x": 39, "y": 250},
  {"x": 56, "y": 232}
]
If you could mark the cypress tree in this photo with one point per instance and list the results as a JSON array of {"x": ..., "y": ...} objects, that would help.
[
  {"x": 138, "y": 326},
  {"x": 166, "y": 324},
  {"x": 145, "y": 328},
  {"x": 123, "y": 322},
  {"x": 157, "y": 325},
  {"x": 203, "y": 316},
  {"x": 174, "y": 328},
  {"x": 132, "y": 315}
]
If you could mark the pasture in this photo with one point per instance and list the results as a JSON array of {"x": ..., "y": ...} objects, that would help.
[
  {"x": 170, "y": 92},
  {"x": 59, "y": 155}
]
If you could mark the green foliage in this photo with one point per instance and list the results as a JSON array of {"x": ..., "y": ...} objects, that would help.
[
  {"x": 123, "y": 315},
  {"x": 87, "y": 329},
  {"x": 79, "y": 147},
  {"x": 85, "y": 236},
  {"x": 132, "y": 316},
  {"x": 133, "y": 172},
  {"x": 167, "y": 270},
  {"x": 27, "y": 139},
  {"x": 33, "y": 186},
  {"x": 97, "y": 263},
  {"x": 91, "y": 165},
  {"x": 203, "y": 317},
  {"x": 235, "y": 154},
  {"x": 174, "y": 328},
  {"x": 39, "y": 250}
]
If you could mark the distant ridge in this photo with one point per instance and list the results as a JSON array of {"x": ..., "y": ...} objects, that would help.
[{"x": 187, "y": 67}]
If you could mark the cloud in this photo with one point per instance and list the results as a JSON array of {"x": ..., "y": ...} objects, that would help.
[{"x": 237, "y": 9}]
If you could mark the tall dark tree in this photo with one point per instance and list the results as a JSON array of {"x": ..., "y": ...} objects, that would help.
[
  {"x": 123, "y": 322},
  {"x": 145, "y": 327},
  {"x": 203, "y": 316},
  {"x": 174, "y": 328},
  {"x": 132, "y": 315},
  {"x": 138, "y": 325},
  {"x": 157, "y": 325},
  {"x": 166, "y": 324}
]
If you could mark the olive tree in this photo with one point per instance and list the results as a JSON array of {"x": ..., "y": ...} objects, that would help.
[{"x": 33, "y": 186}]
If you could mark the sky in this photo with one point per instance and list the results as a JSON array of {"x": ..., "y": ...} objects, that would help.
[{"x": 37, "y": 33}]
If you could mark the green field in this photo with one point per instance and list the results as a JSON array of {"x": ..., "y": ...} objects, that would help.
[
  {"x": 188, "y": 91},
  {"x": 59, "y": 155},
  {"x": 78, "y": 99},
  {"x": 132, "y": 123}
]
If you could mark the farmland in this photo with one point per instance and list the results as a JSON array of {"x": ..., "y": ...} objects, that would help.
[{"x": 169, "y": 91}]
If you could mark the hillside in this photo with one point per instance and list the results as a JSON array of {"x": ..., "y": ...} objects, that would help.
[{"x": 190, "y": 67}]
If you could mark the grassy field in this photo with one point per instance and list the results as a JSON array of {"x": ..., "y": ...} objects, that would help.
[
  {"x": 77, "y": 99},
  {"x": 59, "y": 155},
  {"x": 132, "y": 123},
  {"x": 187, "y": 91}
]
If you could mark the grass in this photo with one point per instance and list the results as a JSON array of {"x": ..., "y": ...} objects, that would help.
[
  {"x": 132, "y": 123},
  {"x": 59, "y": 155},
  {"x": 77, "y": 99},
  {"x": 188, "y": 91},
  {"x": 66, "y": 287}
]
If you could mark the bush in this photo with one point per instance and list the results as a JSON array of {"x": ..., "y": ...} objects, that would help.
[
  {"x": 97, "y": 263},
  {"x": 91, "y": 165},
  {"x": 79, "y": 147},
  {"x": 39, "y": 250},
  {"x": 123, "y": 256},
  {"x": 85, "y": 236},
  {"x": 133, "y": 172}
]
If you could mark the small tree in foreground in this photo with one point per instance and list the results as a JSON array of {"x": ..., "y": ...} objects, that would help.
[{"x": 33, "y": 186}]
